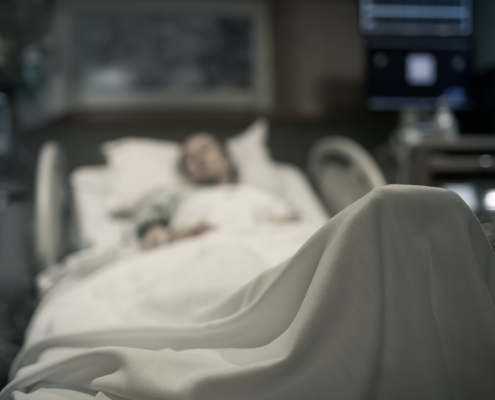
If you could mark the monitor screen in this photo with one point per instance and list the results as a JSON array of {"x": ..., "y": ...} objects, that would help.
[
  {"x": 405, "y": 73},
  {"x": 441, "y": 18}
]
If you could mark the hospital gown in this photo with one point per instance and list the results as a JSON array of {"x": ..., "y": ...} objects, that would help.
[{"x": 237, "y": 206}]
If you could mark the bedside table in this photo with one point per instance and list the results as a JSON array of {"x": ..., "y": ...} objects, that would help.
[{"x": 465, "y": 165}]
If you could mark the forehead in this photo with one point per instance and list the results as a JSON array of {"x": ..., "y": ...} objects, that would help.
[{"x": 200, "y": 140}]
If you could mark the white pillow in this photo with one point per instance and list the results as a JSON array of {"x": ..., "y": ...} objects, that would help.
[
  {"x": 137, "y": 166},
  {"x": 95, "y": 226},
  {"x": 251, "y": 155}
]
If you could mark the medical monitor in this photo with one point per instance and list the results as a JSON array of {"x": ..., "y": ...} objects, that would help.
[
  {"x": 417, "y": 51},
  {"x": 405, "y": 73},
  {"x": 441, "y": 18}
]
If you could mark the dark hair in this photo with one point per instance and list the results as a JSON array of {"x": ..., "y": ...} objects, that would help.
[{"x": 233, "y": 172}]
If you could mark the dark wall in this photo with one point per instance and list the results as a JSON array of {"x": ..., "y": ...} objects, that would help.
[{"x": 289, "y": 141}]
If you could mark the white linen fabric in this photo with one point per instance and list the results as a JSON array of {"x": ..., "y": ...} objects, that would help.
[
  {"x": 238, "y": 207},
  {"x": 95, "y": 225},
  {"x": 168, "y": 286},
  {"x": 251, "y": 155},
  {"x": 391, "y": 299},
  {"x": 137, "y": 166}
]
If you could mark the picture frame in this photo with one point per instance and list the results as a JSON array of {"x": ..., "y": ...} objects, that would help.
[{"x": 166, "y": 55}]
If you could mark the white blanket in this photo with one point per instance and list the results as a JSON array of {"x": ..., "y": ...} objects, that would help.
[
  {"x": 391, "y": 299},
  {"x": 173, "y": 285}
]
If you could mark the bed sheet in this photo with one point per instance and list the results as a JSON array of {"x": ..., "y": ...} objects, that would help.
[
  {"x": 391, "y": 299},
  {"x": 120, "y": 287}
]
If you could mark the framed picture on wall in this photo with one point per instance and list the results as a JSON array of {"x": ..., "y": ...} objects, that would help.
[{"x": 171, "y": 55}]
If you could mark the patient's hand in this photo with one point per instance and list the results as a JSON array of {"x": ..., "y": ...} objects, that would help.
[
  {"x": 194, "y": 231},
  {"x": 154, "y": 236}
]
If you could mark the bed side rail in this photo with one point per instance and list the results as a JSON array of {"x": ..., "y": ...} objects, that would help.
[
  {"x": 343, "y": 171},
  {"x": 52, "y": 206}
]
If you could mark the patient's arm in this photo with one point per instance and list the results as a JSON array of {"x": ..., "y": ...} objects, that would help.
[
  {"x": 152, "y": 214},
  {"x": 154, "y": 235},
  {"x": 157, "y": 234},
  {"x": 194, "y": 231}
]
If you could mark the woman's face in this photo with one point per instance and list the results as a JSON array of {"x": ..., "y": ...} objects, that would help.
[{"x": 204, "y": 160}]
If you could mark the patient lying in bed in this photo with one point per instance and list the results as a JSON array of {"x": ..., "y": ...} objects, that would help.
[{"x": 213, "y": 199}]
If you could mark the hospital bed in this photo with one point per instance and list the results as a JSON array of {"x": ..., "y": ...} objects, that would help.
[
  {"x": 358, "y": 308},
  {"x": 70, "y": 211}
]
